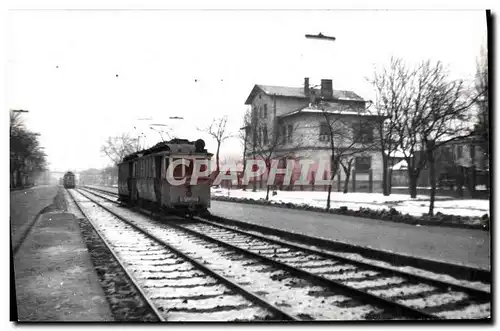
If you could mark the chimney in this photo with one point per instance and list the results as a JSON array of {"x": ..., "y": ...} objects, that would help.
[
  {"x": 326, "y": 88},
  {"x": 306, "y": 86}
]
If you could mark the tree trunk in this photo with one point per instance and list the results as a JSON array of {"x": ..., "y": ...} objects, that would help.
[
  {"x": 347, "y": 171},
  {"x": 413, "y": 184},
  {"x": 254, "y": 189},
  {"x": 385, "y": 175},
  {"x": 328, "y": 197},
  {"x": 244, "y": 163},
  {"x": 333, "y": 169},
  {"x": 217, "y": 158},
  {"x": 268, "y": 170},
  {"x": 346, "y": 182},
  {"x": 432, "y": 177}
]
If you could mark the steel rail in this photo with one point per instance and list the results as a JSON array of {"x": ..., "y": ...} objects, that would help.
[
  {"x": 237, "y": 288},
  {"x": 400, "y": 309},
  {"x": 461, "y": 271},
  {"x": 480, "y": 294},
  {"x": 120, "y": 262}
]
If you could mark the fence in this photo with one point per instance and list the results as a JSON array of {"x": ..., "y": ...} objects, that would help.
[{"x": 360, "y": 181}]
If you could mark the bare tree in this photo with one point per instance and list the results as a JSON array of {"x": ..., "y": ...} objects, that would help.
[
  {"x": 408, "y": 124},
  {"x": 438, "y": 113},
  {"x": 346, "y": 164},
  {"x": 243, "y": 136},
  {"x": 269, "y": 143},
  {"x": 348, "y": 130},
  {"x": 116, "y": 148},
  {"x": 447, "y": 118},
  {"x": 218, "y": 130},
  {"x": 392, "y": 99}
]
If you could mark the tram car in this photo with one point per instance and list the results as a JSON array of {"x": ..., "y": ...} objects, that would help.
[
  {"x": 69, "y": 180},
  {"x": 142, "y": 178}
]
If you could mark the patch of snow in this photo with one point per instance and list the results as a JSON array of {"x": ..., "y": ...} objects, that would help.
[
  {"x": 476, "y": 311},
  {"x": 434, "y": 300},
  {"x": 376, "y": 201},
  {"x": 248, "y": 314},
  {"x": 402, "y": 290},
  {"x": 375, "y": 282}
]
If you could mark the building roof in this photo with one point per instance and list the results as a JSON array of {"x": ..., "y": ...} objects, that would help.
[
  {"x": 181, "y": 146},
  {"x": 330, "y": 108},
  {"x": 298, "y": 92}
]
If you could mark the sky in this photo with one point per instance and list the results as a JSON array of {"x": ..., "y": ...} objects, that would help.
[{"x": 62, "y": 66}]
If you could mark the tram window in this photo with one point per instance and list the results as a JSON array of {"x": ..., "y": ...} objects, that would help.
[
  {"x": 179, "y": 169},
  {"x": 202, "y": 164}
]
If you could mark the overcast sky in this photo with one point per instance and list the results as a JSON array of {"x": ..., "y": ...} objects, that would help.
[{"x": 62, "y": 66}]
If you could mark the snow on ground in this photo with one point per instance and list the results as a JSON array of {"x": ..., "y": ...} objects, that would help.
[{"x": 401, "y": 202}]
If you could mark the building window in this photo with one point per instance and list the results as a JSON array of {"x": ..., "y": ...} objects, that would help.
[
  {"x": 283, "y": 134},
  {"x": 260, "y": 112},
  {"x": 264, "y": 133},
  {"x": 363, "y": 163},
  {"x": 265, "y": 111},
  {"x": 290, "y": 132},
  {"x": 460, "y": 150},
  {"x": 324, "y": 132},
  {"x": 363, "y": 133}
]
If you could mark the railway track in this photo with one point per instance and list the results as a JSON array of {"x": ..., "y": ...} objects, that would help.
[
  {"x": 176, "y": 286},
  {"x": 460, "y": 272},
  {"x": 399, "y": 293}
]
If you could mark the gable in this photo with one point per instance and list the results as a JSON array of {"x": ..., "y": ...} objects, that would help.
[{"x": 296, "y": 92}]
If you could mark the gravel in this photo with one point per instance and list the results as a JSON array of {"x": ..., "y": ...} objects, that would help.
[
  {"x": 296, "y": 293},
  {"x": 135, "y": 249},
  {"x": 126, "y": 303}
]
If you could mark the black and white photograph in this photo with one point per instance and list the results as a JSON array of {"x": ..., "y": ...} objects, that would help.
[{"x": 262, "y": 165}]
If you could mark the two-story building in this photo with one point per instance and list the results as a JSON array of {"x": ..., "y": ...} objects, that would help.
[{"x": 301, "y": 120}]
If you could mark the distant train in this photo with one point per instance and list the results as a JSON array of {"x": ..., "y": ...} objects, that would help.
[
  {"x": 69, "y": 180},
  {"x": 142, "y": 178}
]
